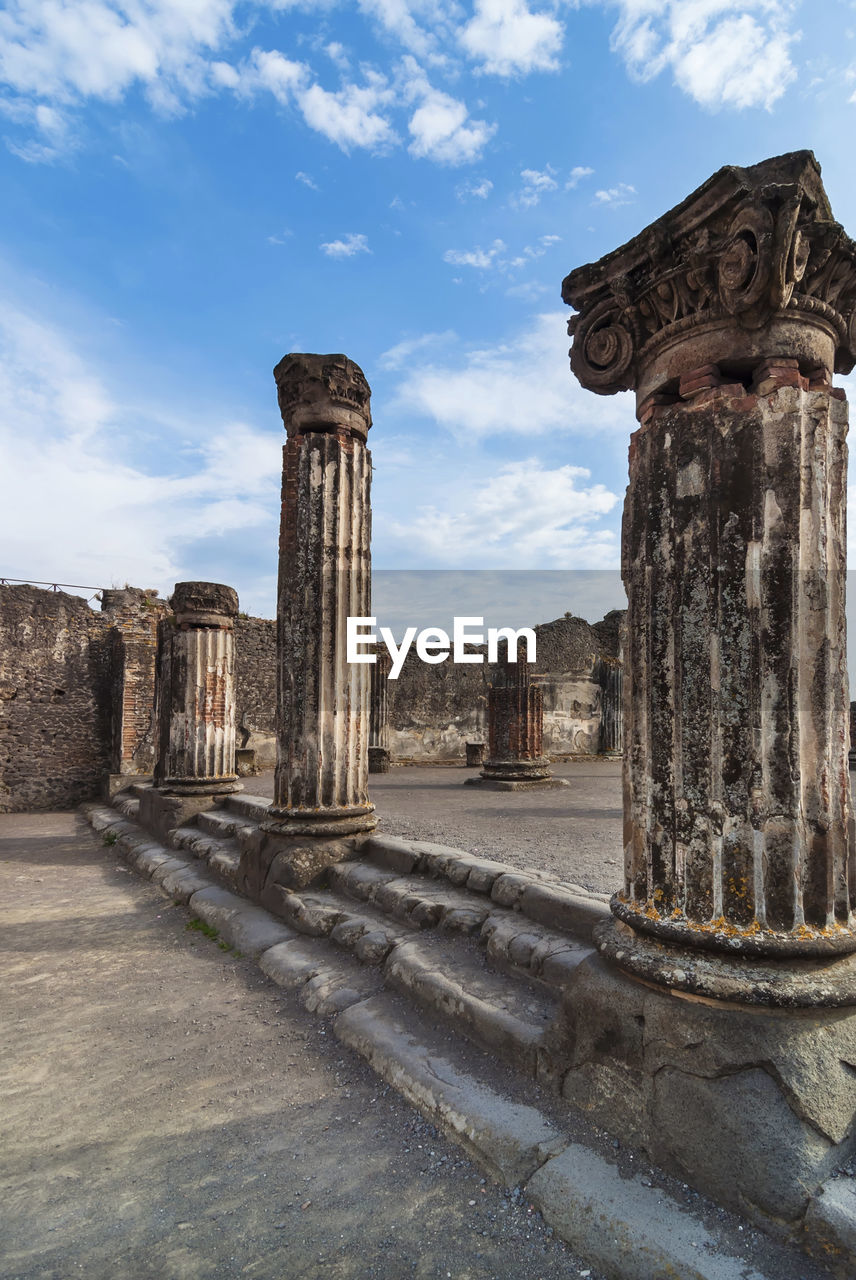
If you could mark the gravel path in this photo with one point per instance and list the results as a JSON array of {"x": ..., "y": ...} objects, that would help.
[{"x": 170, "y": 1113}]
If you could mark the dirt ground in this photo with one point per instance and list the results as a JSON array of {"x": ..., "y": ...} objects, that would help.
[
  {"x": 170, "y": 1113},
  {"x": 574, "y": 832}
]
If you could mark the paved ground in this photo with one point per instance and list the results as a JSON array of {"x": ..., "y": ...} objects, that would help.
[
  {"x": 572, "y": 832},
  {"x": 170, "y": 1113}
]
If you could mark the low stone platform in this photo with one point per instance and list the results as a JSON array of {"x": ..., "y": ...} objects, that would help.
[{"x": 417, "y": 935}]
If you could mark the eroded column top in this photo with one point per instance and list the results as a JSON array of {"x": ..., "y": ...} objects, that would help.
[
  {"x": 322, "y": 393},
  {"x": 749, "y": 267},
  {"x": 204, "y": 604}
]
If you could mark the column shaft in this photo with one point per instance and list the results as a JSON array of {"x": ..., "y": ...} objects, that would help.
[
  {"x": 737, "y": 788},
  {"x": 325, "y": 577}
]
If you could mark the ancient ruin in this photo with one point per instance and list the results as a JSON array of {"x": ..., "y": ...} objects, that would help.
[
  {"x": 707, "y": 1015},
  {"x": 194, "y": 704},
  {"x": 321, "y": 797},
  {"x": 728, "y": 317},
  {"x": 515, "y": 759}
]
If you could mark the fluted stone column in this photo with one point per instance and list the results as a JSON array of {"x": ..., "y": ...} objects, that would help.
[
  {"x": 379, "y": 753},
  {"x": 728, "y": 317},
  {"x": 194, "y": 705},
  {"x": 321, "y": 798},
  {"x": 515, "y": 757}
]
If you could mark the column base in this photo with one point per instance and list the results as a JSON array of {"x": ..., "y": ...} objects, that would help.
[
  {"x": 825, "y": 982},
  {"x": 379, "y": 760},
  {"x": 160, "y": 813},
  {"x": 731, "y": 939},
  {"x": 200, "y": 786},
  {"x": 754, "y": 1107},
  {"x": 516, "y": 775},
  {"x": 276, "y": 859}
]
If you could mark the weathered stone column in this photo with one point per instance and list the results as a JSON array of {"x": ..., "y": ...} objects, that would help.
[
  {"x": 321, "y": 796},
  {"x": 195, "y": 705},
  {"x": 515, "y": 757},
  {"x": 728, "y": 317},
  {"x": 611, "y": 707},
  {"x": 379, "y": 753}
]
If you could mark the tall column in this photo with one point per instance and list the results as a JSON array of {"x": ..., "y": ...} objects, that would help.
[
  {"x": 196, "y": 692},
  {"x": 612, "y": 706},
  {"x": 728, "y": 317},
  {"x": 379, "y": 754},
  {"x": 321, "y": 794},
  {"x": 515, "y": 757}
]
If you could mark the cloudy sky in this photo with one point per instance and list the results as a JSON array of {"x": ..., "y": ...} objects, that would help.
[{"x": 192, "y": 188}]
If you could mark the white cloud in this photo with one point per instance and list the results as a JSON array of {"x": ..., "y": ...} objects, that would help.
[
  {"x": 496, "y": 256},
  {"x": 733, "y": 53},
  {"x": 505, "y": 38},
  {"x": 403, "y": 351},
  {"x": 479, "y": 258},
  {"x": 307, "y": 180},
  {"x": 522, "y": 387},
  {"x": 524, "y": 514},
  {"x": 65, "y": 430},
  {"x": 478, "y": 190},
  {"x": 576, "y": 176},
  {"x": 618, "y": 195},
  {"x": 440, "y": 126},
  {"x": 350, "y": 117},
  {"x": 347, "y": 248},
  {"x": 536, "y": 183},
  {"x": 69, "y": 51}
]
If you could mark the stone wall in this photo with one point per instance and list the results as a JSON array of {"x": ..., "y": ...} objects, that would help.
[
  {"x": 55, "y": 703},
  {"x": 435, "y": 710},
  {"x": 255, "y": 689},
  {"x": 72, "y": 709}
]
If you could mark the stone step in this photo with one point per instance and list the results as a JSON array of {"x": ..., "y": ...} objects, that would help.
[
  {"x": 506, "y": 1012},
  {"x": 567, "y": 907},
  {"x": 512, "y": 941},
  {"x": 221, "y": 854},
  {"x": 215, "y": 822},
  {"x": 501, "y": 1013},
  {"x": 253, "y": 808},
  {"x": 127, "y": 804}
]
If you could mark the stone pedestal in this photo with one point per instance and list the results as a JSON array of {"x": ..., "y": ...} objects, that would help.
[
  {"x": 728, "y": 317},
  {"x": 475, "y": 754},
  {"x": 515, "y": 759},
  {"x": 379, "y": 752},
  {"x": 321, "y": 806},
  {"x": 195, "y": 705}
]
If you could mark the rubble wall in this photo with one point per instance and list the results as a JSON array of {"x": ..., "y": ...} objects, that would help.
[{"x": 55, "y": 699}]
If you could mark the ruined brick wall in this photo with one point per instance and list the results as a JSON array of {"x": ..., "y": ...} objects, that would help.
[
  {"x": 435, "y": 710},
  {"x": 55, "y": 699},
  {"x": 255, "y": 688}
]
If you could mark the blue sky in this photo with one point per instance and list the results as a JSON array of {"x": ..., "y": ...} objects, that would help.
[{"x": 191, "y": 189}]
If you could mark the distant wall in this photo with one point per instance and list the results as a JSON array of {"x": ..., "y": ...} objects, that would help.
[{"x": 435, "y": 710}]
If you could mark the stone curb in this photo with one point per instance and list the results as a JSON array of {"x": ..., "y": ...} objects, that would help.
[{"x": 625, "y": 1230}]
